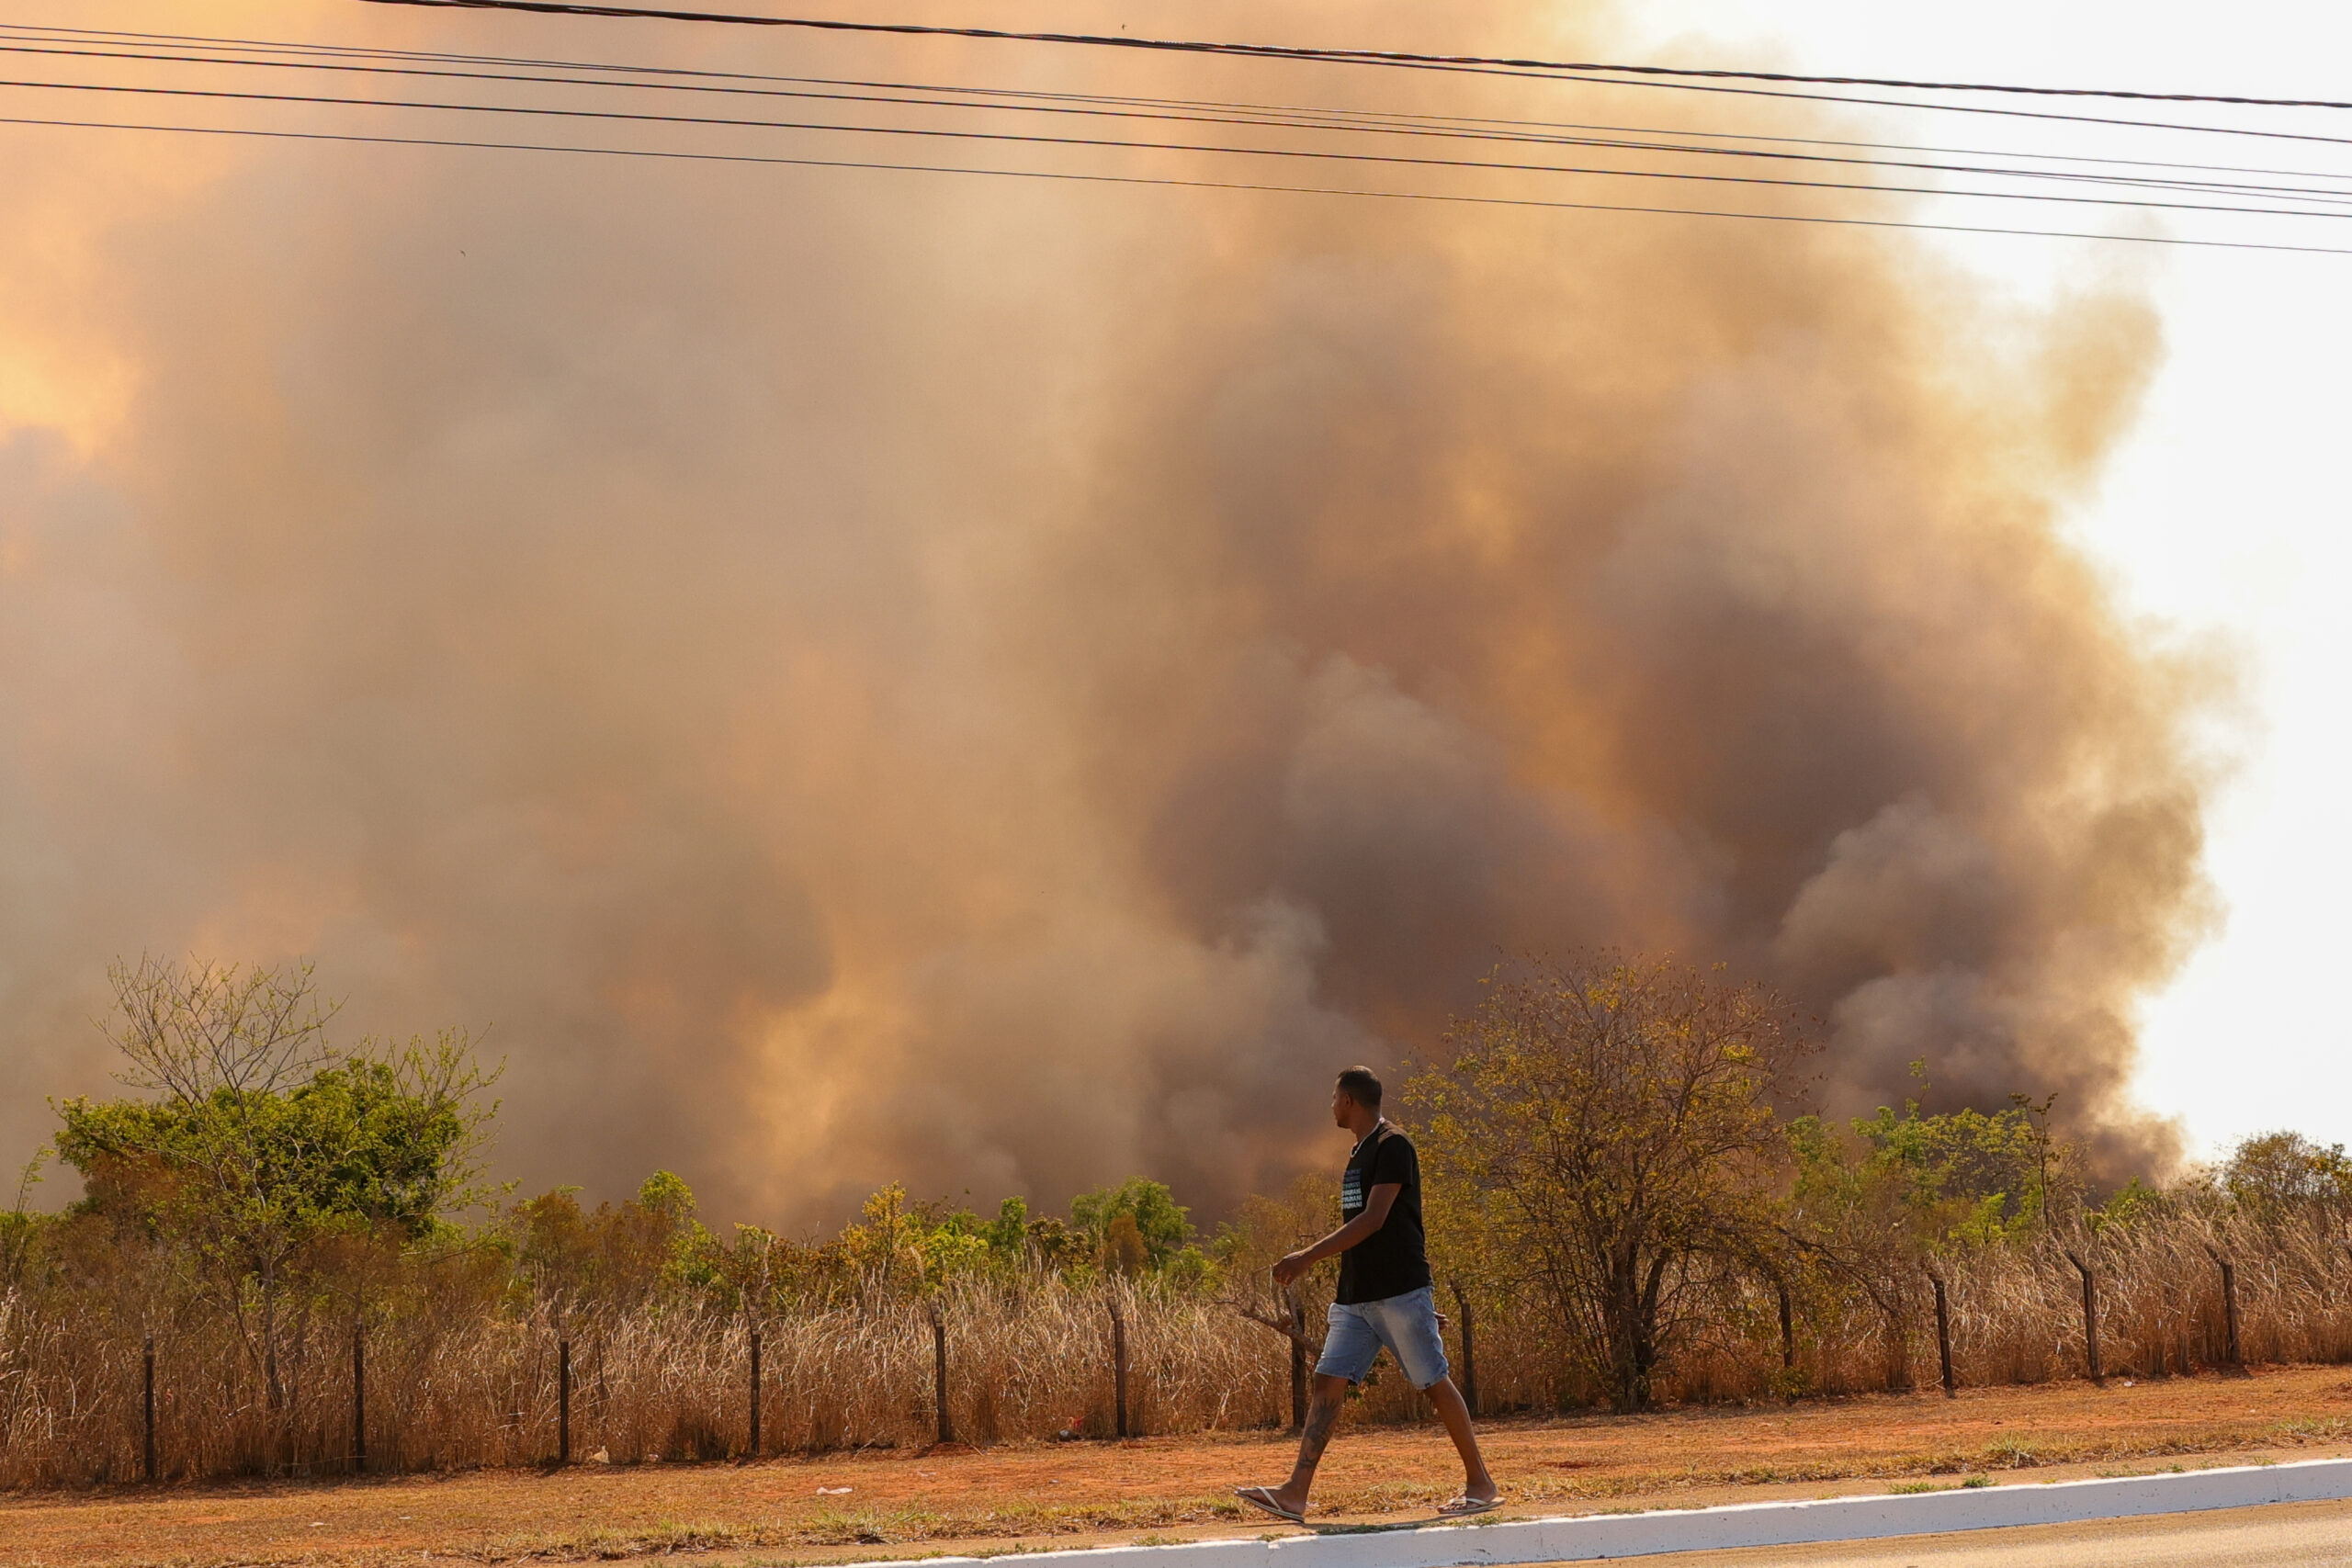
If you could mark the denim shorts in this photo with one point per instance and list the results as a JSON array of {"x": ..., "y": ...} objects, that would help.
[{"x": 1406, "y": 1324}]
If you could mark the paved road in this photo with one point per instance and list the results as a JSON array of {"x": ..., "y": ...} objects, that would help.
[{"x": 2283, "y": 1535}]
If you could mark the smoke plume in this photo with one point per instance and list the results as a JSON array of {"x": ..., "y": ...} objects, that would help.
[{"x": 1003, "y": 686}]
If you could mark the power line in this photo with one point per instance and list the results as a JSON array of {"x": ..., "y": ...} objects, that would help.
[
  {"x": 234, "y": 52},
  {"x": 1341, "y": 56},
  {"x": 1721, "y": 89},
  {"x": 1980, "y": 109},
  {"x": 1121, "y": 143},
  {"x": 670, "y": 154},
  {"x": 1226, "y": 113},
  {"x": 1339, "y": 121}
]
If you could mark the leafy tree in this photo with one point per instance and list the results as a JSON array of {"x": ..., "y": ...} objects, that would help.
[
  {"x": 1607, "y": 1131},
  {"x": 1054, "y": 1244},
  {"x": 567, "y": 1254},
  {"x": 1962, "y": 1176},
  {"x": 1161, "y": 1224},
  {"x": 21, "y": 1230},
  {"x": 1123, "y": 1246},
  {"x": 1008, "y": 1233},
  {"x": 913, "y": 1248},
  {"x": 1874, "y": 1205},
  {"x": 2273, "y": 1175},
  {"x": 263, "y": 1142},
  {"x": 2134, "y": 1202},
  {"x": 621, "y": 1256}
]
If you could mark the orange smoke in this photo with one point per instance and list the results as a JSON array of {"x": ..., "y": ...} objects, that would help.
[{"x": 1000, "y": 685}]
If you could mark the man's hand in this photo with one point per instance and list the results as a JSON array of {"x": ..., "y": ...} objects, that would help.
[{"x": 1374, "y": 1215}]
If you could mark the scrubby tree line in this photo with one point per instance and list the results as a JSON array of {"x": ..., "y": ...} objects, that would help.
[
  {"x": 1625, "y": 1146},
  {"x": 1626, "y": 1189}
]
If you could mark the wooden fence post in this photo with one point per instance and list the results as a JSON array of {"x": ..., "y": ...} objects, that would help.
[
  {"x": 563, "y": 1402},
  {"x": 939, "y": 1370},
  {"x": 2229, "y": 1309},
  {"x": 2090, "y": 1317},
  {"x": 359, "y": 1399},
  {"x": 755, "y": 1390},
  {"x": 1118, "y": 1368},
  {"x": 1469, "y": 1348},
  {"x": 147, "y": 1453},
  {"x": 1943, "y": 1335},
  {"x": 1297, "y": 1366}
]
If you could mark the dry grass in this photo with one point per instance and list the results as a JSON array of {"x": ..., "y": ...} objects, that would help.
[
  {"x": 459, "y": 1380},
  {"x": 667, "y": 1382}
]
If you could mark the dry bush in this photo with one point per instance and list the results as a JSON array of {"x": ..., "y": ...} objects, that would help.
[
  {"x": 2017, "y": 1312},
  {"x": 462, "y": 1373},
  {"x": 665, "y": 1380}
]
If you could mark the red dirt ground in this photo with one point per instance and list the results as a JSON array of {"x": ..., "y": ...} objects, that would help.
[{"x": 1034, "y": 1496}]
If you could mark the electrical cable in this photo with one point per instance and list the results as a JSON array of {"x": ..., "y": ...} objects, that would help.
[
  {"x": 1278, "y": 117},
  {"x": 1343, "y": 56},
  {"x": 1189, "y": 184},
  {"x": 1825, "y": 98},
  {"x": 1115, "y": 143},
  {"x": 2107, "y": 120},
  {"x": 531, "y": 71}
]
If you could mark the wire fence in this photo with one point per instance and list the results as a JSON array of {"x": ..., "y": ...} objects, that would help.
[{"x": 95, "y": 1387}]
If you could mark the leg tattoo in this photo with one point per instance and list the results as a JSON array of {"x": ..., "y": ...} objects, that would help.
[{"x": 1321, "y": 1416}]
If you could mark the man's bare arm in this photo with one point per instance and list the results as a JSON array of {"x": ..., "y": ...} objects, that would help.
[{"x": 1376, "y": 1214}]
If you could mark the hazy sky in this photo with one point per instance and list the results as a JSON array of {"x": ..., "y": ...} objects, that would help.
[
  {"x": 2224, "y": 512},
  {"x": 852, "y": 676}
]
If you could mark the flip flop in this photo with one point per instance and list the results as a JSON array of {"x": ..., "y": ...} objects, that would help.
[
  {"x": 1464, "y": 1507},
  {"x": 1262, "y": 1499}
]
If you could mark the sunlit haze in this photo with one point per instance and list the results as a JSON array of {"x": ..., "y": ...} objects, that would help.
[
  {"x": 847, "y": 676},
  {"x": 2224, "y": 512}
]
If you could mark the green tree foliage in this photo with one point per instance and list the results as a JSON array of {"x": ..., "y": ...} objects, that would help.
[
  {"x": 1162, "y": 1227},
  {"x": 628, "y": 1256},
  {"x": 23, "y": 1231},
  {"x": 2273, "y": 1175},
  {"x": 261, "y": 1143},
  {"x": 1123, "y": 1246},
  {"x": 1608, "y": 1132},
  {"x": 1921, "y": 1184},
  {"x": 1873, "y": 1206},
  {"x": 373, "y": 1140},
  {"x": 618, "y": 1257}
]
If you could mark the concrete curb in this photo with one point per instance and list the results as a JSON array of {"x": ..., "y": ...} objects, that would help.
[{"x": 1744, "y": 1524}]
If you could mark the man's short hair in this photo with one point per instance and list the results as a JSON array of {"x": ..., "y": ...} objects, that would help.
[{"x": 1359, "y": 1085}]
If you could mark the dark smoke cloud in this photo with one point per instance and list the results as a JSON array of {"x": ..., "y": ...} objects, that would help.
[{"x": 871, "y": 677}]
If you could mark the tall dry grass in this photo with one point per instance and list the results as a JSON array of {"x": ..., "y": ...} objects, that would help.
[
  {"x": 2017, "y": 1312},
  {"x": 670, "y": 1381},
  {"x": 462, "y": 1377}
]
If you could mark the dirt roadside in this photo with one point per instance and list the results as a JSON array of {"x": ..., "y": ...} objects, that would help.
[{"x": 837, "y": 1508}]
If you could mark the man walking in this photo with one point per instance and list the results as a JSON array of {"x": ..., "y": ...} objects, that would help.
[{"x": 1386, "y": 1297}]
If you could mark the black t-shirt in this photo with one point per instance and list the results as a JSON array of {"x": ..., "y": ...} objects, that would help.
[{"x": 1393, "y": 1259}]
